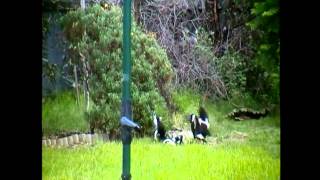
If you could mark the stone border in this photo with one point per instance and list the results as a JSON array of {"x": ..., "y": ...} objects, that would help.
[{"x": 73, "y": 140}]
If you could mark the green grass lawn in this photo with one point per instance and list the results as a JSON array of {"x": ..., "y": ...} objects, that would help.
[
  {"x": 241, "y": 150},
  {"x": 158, "y": 161}
]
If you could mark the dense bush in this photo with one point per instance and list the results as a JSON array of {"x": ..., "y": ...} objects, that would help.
[
  {"x": 265, "y": 70},
  {"x": 251, "y": 62},
  {"x": 226, "y": 73},
  {"x": 232, "y": 67},
  {"x": 96, "y": 33},
  {"x": 61, "y": 113}
]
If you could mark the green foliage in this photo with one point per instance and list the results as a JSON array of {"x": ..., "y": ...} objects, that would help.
[
  {"x": 45, "y": 24},
  {"x": 265, "y": 70},
  {"x": 60, "y": 113},
  {"x": 257, "y": 156},
  {"x": 230, "y": 68},
  {"x": 97, "y": 34},
  {"x": 49, "y": 70},
  {"x": 58, "y": 5},
  {"x": 186, "y": 101}
]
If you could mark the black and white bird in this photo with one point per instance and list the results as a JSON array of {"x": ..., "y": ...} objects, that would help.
[
  {"x": 200, "y": 125},
  {"x": 160, "y": 132}
]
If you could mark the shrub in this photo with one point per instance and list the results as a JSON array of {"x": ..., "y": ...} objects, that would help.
[
  {"x": 232, "y": 67},
  {"x": 265, "y": 73},
  {"x": 96, "y": 33},
  {"x": 226, "y": 74}
]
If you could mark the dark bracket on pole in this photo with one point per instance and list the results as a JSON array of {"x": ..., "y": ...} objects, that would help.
[
  {"x": 127, "y": 126},
  {"x": 125, "y": 113}
]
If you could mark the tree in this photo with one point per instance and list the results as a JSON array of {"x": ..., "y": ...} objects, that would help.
[
  {"x": 266, "y": 66},
  {"x": 96, "y": 36}
]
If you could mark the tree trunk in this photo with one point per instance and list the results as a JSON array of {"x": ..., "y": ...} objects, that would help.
[
  {"x": 85, "y": 69},
  {"x": 219, "y": 13},
  {"x": 136, "y": 7},
  {"x": 76, "y": 83}
]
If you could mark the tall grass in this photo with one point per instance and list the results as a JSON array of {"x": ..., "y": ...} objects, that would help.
[
  {"x": 158, "y": 161},
  {"x": 256, "y": 156},
  {"x": 61, "y": 113},
  {"x": 264, "y": 133}
]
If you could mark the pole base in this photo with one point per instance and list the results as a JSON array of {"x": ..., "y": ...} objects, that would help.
[{"x": 126, "y": 177}]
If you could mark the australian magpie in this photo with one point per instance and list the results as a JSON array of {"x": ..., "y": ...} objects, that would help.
[
  {"x": 200, "y": 125},
  {"x": 160, "y": 132}
]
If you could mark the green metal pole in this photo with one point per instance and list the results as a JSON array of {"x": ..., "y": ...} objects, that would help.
[{"x": 126, "y": 99}]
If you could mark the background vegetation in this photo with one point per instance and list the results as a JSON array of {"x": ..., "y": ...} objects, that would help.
[
  {"x": 61, "y": 113},
  {"x": 237, "y": 150},
  {"x": 223, "y": 56},
  {"x": 96, "y": 36},
  {"x": 239, "y": 65}
]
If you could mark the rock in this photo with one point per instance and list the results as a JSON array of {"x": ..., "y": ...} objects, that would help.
[
  {"x": 48, "y": 142},
  {"x": 76, "y": 139},
  {"x": 89, "y": 139},
  {"x": 53, "y": 142},
  {"x": 44, "y": 142},
  {"x": 82, "y": 138},
  {"x": 98, "y": 137},
  {"x": 70, "y": 140},
  {"x": 95, "y": 138},
  {"x": 65, "y": 142},
  {"x": 60, "y": 142}
]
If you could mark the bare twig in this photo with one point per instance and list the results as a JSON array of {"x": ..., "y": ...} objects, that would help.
[{"x": 169, "y": 20}]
